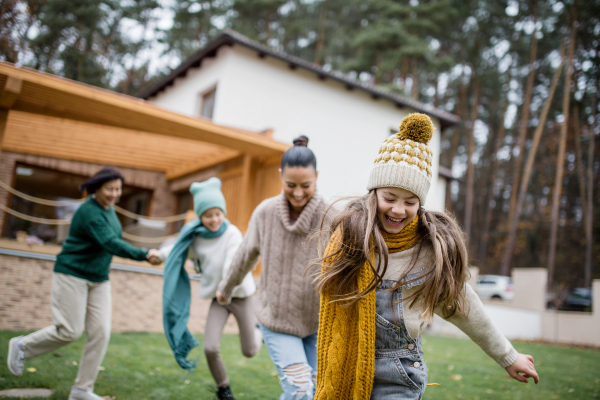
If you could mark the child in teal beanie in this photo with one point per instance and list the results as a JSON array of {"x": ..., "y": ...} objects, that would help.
[{"x": 213, "y": 241}]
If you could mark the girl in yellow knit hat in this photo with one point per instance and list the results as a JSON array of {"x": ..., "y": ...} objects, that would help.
[{"x": 389, "y": 266}]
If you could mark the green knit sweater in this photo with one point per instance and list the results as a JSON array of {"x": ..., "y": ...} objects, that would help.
[{"x": 94, "y": 237}]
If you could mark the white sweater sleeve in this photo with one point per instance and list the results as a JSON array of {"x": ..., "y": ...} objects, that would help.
[
  {"x": 164, "y": 252},
  {"x": 245, "y": 258},
  {"x": 232, "y": 247},
  {"x": 477, "y": 324}
]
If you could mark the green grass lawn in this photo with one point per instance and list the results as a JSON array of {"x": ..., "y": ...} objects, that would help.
[{"x": 141, "y": 366}]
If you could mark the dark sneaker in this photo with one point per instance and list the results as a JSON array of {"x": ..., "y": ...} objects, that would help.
[
  {"x": 16, "y": 357},
  {"x": 224, "y": 393}
]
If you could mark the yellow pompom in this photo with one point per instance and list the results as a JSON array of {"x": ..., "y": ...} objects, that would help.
[{"x": 417, "y": 127}]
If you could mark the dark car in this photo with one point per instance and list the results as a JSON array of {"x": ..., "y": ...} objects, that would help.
[{"x": 579, "y": 299}]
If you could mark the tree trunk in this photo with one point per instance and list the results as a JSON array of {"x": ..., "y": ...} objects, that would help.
[
  {"x": 562, "y": 145},
  {"x": 514, "y": 221},
  {"x": 404, "y": 71},
  {"x": 268, "y": 25},
  {"x": 485, "y": 236},
  {"x": 461, "y": 111},
  {"x": 518, "y": 165},
  {"x": 481, "y": 186},
  {"x": 578, "y": 159},
  {"x": 589, "y": 243},
  {"x": 470, "y": 164},
  {"x": 436, "y": 96},
  {"x": 321, "y": 37},
  {"x": 415, "y": 79}
]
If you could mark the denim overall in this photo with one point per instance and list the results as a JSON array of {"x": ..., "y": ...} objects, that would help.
[{"x": 400, "y": 371}]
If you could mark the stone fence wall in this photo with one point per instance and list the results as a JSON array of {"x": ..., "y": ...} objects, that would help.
[{"x": 26, "y": 280}]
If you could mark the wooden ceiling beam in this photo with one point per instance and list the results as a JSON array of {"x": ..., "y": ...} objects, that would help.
[
  {"x": 188, "y": 168},
  {"x": 66, "y": 152},
  {"x": 89, "y": 158},
  {"x": 21, "y": 123},
  {"x": 10, "y": 92},
  {"x": 84, "y": 147}
]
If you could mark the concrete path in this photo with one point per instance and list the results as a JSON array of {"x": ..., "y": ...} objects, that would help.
[{"x": 18, "y": 393}]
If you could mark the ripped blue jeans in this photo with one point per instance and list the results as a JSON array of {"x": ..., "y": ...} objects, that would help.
[
  {"x": 400, "y": 371},
  {"x": 296, "y": 362}
]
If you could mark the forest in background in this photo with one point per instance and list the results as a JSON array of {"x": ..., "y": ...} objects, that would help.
[{"x": 523, "y": 75}]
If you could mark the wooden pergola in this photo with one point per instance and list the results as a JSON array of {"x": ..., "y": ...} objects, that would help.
[{"x": 45, "y": 115}]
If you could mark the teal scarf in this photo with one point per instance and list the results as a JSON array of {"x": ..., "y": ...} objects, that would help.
[{"x": 177, "y": 292}]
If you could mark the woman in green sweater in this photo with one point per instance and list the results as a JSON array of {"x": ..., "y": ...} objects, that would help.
[{"x": 80, "y": 297}]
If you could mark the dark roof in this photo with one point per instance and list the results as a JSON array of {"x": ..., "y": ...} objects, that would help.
[
  {"x": 446, "y": 172},
  {"x": 228, "y": 38}
]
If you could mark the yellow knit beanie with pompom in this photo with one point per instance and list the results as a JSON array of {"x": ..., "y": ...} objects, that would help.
[{"x": 404, "y": 160}]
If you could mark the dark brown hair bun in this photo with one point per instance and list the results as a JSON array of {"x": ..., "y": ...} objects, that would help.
[
  {"x": 299, "y": 155},
  {"x": 301, "y": 141}
]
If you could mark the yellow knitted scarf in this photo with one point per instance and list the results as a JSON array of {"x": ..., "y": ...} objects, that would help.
[{"x": 346, "y": 339}]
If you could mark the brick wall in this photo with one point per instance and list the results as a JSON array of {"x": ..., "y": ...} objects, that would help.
[{"x": 25, "y": 285}]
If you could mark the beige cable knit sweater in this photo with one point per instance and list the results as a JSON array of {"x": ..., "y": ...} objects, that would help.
[
  {"x": 472, "y": 320},
  {"x": 287, "y": 300}
]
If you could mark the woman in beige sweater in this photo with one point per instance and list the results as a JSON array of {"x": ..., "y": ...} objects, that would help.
[{"x": 287, "y": 302}]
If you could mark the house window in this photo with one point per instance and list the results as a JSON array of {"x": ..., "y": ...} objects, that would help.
[
  {"x": 57, "y": 185},
  {"x": 207, "y": 105}
]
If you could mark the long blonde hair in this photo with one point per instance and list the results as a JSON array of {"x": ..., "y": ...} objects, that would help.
[{"x": 359, "y": 235}]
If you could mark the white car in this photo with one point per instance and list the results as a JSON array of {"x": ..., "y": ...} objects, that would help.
[{"x": 495, "y": 287}]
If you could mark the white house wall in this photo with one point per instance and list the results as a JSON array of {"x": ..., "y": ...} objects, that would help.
[
  {"x": 345, "y": 128},
  {"x": 184, "y": 95}
]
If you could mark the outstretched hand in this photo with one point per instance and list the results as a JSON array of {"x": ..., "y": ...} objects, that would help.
[
  {"x": 153, "y": 257},
  {"x": 523, "y": 365}
]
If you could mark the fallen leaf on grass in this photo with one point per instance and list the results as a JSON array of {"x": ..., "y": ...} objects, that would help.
[
  {"x": 450, "y": 367},
  {"x": 74, "y": 362},
  {"x": 456, "y": 377},
  {"x": 31, "y": 369},
  {"x": 433, "y": 384},
  {"x": 273, "y": 373},
  {"x": 101, "y": 368}
]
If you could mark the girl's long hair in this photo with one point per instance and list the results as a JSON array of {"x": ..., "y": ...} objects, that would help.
[{"x": 359, "y": 230}]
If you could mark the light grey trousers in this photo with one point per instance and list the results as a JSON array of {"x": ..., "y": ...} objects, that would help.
[
  {"x": 77, "y": 305},
  {"x": 250, "y": 335}
]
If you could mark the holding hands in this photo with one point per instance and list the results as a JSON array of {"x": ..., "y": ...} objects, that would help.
[{"x": 153, "y": 257}]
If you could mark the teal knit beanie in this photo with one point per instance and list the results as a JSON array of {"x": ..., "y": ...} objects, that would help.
[{"x": 207, "y": 195}]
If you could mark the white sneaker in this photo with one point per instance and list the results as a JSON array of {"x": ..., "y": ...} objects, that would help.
[
  {"x": 78, "y": 394},
  {"x": 16, "y": 357}
]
